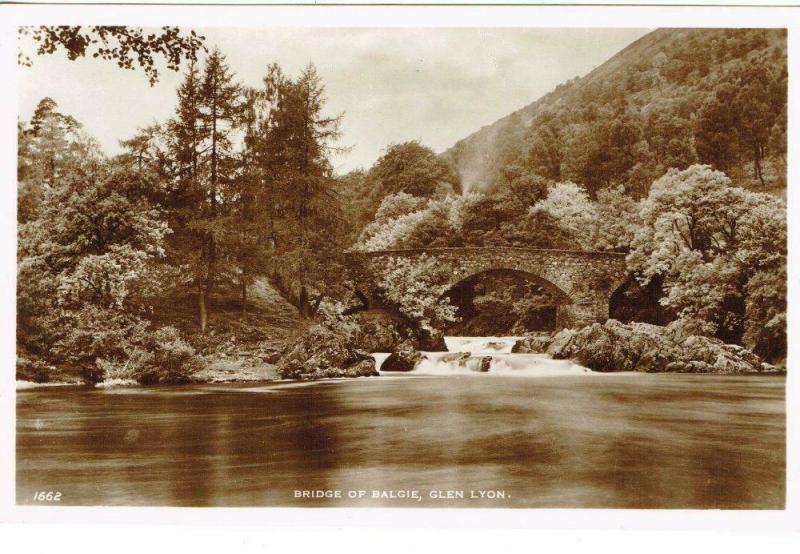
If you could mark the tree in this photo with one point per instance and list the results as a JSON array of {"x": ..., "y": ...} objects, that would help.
[
  {"x": 414, "y": 169},
  {"x": 716, "y": 136},
  {"x": 614, "y": 152},
  {"x": 127, "y": 46},
  {"x": 52, "y": 147},
  {"x": 246, "y": 230},
  {"x": 405, "y": 221},
  {"x": 295, "y": 154},
  {"x": 616, "y": 222},
  {"x": 669, "y": 137},
  {"x": 759, "y": 100},
  {"x": 546, "y": 147},
  {"x": 571, "y": 207},
  {"x": 416, "y": 289},
  {"x": 204, "y": 166},
  {"x": 85, "y": 270},
  {"x": 220, "y": 110},
  {"x": 708, "y": 240}
]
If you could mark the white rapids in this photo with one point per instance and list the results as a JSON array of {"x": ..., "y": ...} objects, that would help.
[{"x": 470, "y": 355}]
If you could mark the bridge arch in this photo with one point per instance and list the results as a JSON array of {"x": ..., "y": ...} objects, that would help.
[
  {"x": 542, "y": 313},
  {"x": 587, "y": 279}
]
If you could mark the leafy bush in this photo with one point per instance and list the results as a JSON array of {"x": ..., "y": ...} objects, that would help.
[
  {"x": 162, "y": 357},
  {"x": 174, "y": 360}
]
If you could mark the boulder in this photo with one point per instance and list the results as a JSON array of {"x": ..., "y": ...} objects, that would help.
[
  {"x": 323, "y": 352},
  {"x": 614, "y": 346},
  {"x": 377, "y": 332},
  {"x": 404, "y": 358},
  {"x": 534, "y": 344},
  {"x": 458, "y": 357},
  {"x": 479, "y": 364}
]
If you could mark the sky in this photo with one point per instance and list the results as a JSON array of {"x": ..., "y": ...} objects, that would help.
[{"x": 391, "y": 85}]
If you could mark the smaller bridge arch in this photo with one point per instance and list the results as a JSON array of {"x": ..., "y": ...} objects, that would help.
[{"x": 586, "y": 278}]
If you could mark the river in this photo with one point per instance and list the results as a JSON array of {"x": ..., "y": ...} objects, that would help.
[{"x": 504, "y": 438}]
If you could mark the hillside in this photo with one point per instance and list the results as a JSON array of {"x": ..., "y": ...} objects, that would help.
[{"x": 670, "y": 99}]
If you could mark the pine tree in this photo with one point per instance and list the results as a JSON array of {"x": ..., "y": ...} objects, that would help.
[
  {"x": 204, "y": 165},
  {"x": 296, "y": 154}
]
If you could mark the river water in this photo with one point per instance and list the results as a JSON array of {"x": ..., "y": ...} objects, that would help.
[{"x": 506, "y": 438}]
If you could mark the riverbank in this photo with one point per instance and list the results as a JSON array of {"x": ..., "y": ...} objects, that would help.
[
  {"x": 326, "y": 352},
  {"x": 218, "y": 371}
]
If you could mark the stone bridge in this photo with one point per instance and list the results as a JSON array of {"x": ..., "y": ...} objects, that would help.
[{"x": 581, "y": 281}]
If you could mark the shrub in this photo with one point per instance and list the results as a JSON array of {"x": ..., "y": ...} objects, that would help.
[
  {"x": 174, "y": 360},
  {"x": 162, "y": 357}
]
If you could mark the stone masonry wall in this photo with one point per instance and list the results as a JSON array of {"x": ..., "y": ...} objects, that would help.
[{"x": 585, "y": 280}]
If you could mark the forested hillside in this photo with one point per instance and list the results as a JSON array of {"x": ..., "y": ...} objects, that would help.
[{"x": 671, "y": 99}]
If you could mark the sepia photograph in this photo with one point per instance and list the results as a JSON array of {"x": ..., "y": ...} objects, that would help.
[{"x": 401, "y": 267}]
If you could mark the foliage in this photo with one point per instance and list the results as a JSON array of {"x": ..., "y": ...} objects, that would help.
[
  {"x": 404, "y": 221},
  {"x": 127, "y": 46},
  {"x": 714, "y": 245},
  {"x": 162, "y": 357},
  {"x": 617, "y": 218},
  {"x": 416, "y": 289},
  {"x": 569, "y": 204},
  {"x": 414, "y": 169},
  {"x": 87, "y": 253}
]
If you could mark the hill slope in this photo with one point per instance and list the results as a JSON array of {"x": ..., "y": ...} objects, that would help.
[{"x": 672, "y": 98}]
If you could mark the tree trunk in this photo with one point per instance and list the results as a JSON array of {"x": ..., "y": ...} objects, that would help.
[
  {"x": 302, "y": 303},
  {"x": 244, "y": 298},
  {"x": 201, "y": 300},
  {"x": 757, "y": 165}
]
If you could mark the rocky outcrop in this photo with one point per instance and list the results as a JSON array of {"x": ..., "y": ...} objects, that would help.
[
  {"x": 322, "y": 352},
  {"x": 532, "y": 344},
  {"x": 377, "y": 332},
  {"x": 614, "y": 346},
  {"x": 404, "y": 358}
]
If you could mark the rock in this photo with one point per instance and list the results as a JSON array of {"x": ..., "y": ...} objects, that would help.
[
  {"x": 431, "y": 343},
  {"x": 458, "y": 357},
  {"x": 478, "y": 364},
  {"x": 531, "y": 345},
  {"x": 559, "y": 344},
  {"x": 323, "y": 352},
  {"x": 364, "y": 368},
  {"x": 614, "y": 346},
  {"x": 404, "y": 358},
  {"x": 377, "y": 332},
  {"x": 769, "y": 368}
]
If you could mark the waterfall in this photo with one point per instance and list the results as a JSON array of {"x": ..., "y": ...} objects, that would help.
[{"x": 470, "y": 355}]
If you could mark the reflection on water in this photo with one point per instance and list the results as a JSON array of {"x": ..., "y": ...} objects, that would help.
[{"x": 628, "y": 440}]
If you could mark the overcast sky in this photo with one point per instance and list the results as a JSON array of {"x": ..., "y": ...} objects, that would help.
[{"x": 393, "y": 85}]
